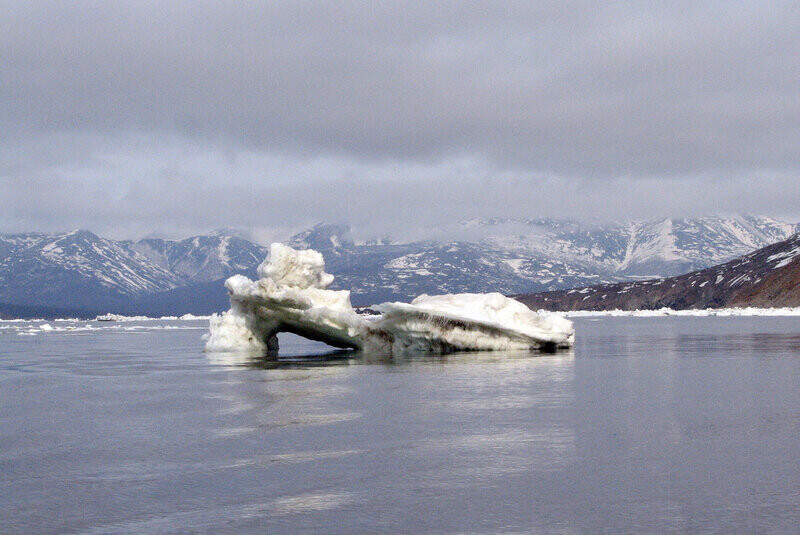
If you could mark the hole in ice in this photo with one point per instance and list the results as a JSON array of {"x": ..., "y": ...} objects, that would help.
[{"x": 292, "y": 345}]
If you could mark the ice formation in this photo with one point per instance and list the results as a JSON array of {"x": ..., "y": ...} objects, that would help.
[
  {"x": 471, "y": 321},
  {"x": 291, "y": 295}
]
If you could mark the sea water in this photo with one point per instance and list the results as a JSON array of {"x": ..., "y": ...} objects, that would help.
[{"x": 647, "y": 425}]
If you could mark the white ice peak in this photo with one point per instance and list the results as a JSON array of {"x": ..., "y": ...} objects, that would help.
[{"x": 292, "y": 296}]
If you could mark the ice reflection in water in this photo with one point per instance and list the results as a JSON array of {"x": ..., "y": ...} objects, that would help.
[{"x": 418, "y": 411}]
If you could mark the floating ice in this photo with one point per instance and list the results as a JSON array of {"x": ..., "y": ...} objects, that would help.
[
  {"x": 725, "y": 312},
  {"x": 292, "y": 296},
  {"x": 471, "y": 321},
  {"x": 119, "y": 318}
]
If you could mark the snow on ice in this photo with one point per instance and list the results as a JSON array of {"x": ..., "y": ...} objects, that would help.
[{"x": 291, "y": 295}]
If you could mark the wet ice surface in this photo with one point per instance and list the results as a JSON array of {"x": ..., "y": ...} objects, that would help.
[{"x": 648, "y": 425}]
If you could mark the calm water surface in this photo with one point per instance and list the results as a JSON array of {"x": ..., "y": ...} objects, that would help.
[{"x": 649, "y": 425}]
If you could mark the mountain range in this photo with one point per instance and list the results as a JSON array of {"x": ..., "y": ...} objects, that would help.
[
  {"x": 768, "y": 277},
  {"x": 80, "y": 271}
]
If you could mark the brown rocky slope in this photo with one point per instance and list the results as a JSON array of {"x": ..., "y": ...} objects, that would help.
[{"x": 768, "y": 277}]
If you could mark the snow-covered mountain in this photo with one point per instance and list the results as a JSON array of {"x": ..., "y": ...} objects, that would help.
[
  {"x": 675, "y": 246},
  {"x": 76, "y": 268},
  {"x": 81, "y": 270},
  {"x": 517, "y": 256},
  {"x": 768, "y": 277},
  {"x": 201, "y": 258}
]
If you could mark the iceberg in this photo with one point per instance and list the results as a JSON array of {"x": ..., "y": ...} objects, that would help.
[{"x": 292, "y": 295}]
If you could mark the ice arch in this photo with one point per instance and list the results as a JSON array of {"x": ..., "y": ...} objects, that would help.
[{"x": 291, "y": 295}]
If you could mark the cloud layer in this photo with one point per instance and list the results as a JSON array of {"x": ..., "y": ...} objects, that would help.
[{"x": 183, "y": 116}]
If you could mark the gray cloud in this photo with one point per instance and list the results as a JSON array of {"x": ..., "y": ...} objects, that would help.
[
  {"x": 190, "y": 115},
  {"x": 181, "y": 189}
]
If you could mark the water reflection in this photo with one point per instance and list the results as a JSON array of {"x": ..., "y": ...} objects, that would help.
[
  {"x": 270, "y": 361},
  {"x": 651, "y": 425},
  {"x": 345, "y": 357},
  {"x": 409, "y": 410}
]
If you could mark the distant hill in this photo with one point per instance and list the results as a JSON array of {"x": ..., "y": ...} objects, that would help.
[{"x": 768, "y": 277}]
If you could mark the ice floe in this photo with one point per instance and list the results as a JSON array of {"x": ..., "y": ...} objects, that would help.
[{"x": 292, "y": 295}]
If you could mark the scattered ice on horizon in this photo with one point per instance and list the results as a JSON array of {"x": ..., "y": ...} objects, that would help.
[{"x": 747, "y": 311}]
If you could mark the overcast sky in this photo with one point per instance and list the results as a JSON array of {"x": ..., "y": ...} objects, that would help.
[{"x": 131, "y": 118}]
